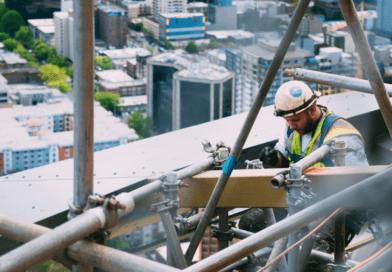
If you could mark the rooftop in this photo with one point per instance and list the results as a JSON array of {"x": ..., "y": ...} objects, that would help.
[
  {"x": 194, "y": 66},
  {"x": 11, "y": 57},
  {"x": 47, "y": 29},
  {"x": 204, "y": 70},
  {"x": 259, "y": 51},
  {"x": 133, "y": 100},
  {"x": 331, "y": 49},
  {"x": 124, "y": 53},
  {"x": 180, "y": 15},
  {"x": 115, "y": 85},
  {"x": 111, "y": 8},
  {"x": 197, "y": 5},
  {"x": 41, "y": 22},
  {"x": 14, "y": 135},
  {"x": 224, "y": 34},
  {"x": 61, "y": 14},
  {"x": 113, "y": 76}
]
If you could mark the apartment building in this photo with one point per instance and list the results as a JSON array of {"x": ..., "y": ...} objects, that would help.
[
  {"x": 33, "y": 136},
  {"x": 63, "y": 37},
  {"x": 112, "y": 25},
  {"x": 250, "y": 64},
  {"x": 15, "y": 69}
]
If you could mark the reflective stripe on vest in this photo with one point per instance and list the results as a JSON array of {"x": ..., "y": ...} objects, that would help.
[{"x": 324, "y": 132}]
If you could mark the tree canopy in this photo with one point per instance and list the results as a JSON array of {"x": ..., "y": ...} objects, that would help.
[
  {"x": 192, "y": 48},
  {"x": 168, "y": 45},
  {"x": 23, "y": 53},
  {"x": 138, "y": 26},
  {"x": 103, "y": 62},
  {"x": 23, "y": 35},
  {"x": 143, "y": 126},
  {"x": 10, "y": 44},
  {"x": 4, "y": 36},
  {"x": 109, "y": 101},
  {"x": 42, "y": 51},
  {"x": 117, "y": 243},
  {"x": 11, "y": 21},
  {"x": 55, "y": 77},
  {"x": 3, "y": 10}
]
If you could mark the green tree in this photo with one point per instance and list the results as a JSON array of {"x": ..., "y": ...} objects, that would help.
[
  {"x": 150, "y": 48},
  {"x": 61, "y": 84},
  {"x": 23, "y": 35},
  {"x": 138, "y": 26},
  {"x": 103, "y": 62},
  {"x": 52, "y": 73},
  {"x": 109, "y": 101},
  {"x": 4, "y": 36},
  {"x": 192, "y": 48},
  {"x": 42, "y": 51},
  {"x": 168, "y": 45},
  {"x": 117, "y": 243},
  {"x": 23, "y": 53},
  {"x": 3, "y": 10},
  {"x": 49, "y": 266},
  {"x": 11, "y": 21},
  {"x": 69, "y": 71},
  {"x": 10, "y": 44},
  {"x": 57, "y": 60},
  {"x": 214, "y": 44},
  {"x": 143, "y": 126}
]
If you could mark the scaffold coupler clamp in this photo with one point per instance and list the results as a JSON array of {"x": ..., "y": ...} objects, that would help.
[
  {"x": 339, "y": 151},
  {"x": 162, "y": 204},
  {"x": 283, "y": 179},
  {"x": 254, "y": 164},
  {"x": 337, "y": 268},
  {"x": 223, "y": 235},
  {"x": 184, "y": 224},
  {"x": 221, "y": 153},
  {"x": 92, "y": 202}
]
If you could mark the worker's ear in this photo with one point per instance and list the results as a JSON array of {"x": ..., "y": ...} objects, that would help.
[{"x": 312, "y": 109}]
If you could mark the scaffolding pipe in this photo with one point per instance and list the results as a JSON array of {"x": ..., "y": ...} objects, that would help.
[
  {"x": 344, "y": 82},
  {"x": 306, "y": 248},
  {"x": 103, "y": 257},
  {"x": 83, "y": 14},
  {"x": 328, "y": 258},
  {"x": 365, "y": 192},
  {"x": 83, "y": 49},
  {"x": 258, "y": 254},
  {"x": 279, "y": 247},
  {"x": 247, "y": 126},
  {"x": 380, "y": 263},
  {"x": 81, "y": 226},
  {"x": 367, "y": 59}
]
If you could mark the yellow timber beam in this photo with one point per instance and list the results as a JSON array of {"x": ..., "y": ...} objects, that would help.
[{"x": 251, "y": 187}]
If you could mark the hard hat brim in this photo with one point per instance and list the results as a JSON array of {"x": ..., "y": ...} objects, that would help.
[{"x": 303, "y": 107}]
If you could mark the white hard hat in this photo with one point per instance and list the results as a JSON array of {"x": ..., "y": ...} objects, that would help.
[{"x": 292, "y": 98}]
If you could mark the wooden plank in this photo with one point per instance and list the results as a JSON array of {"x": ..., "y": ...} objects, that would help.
[{"x": 251, "y": 187}]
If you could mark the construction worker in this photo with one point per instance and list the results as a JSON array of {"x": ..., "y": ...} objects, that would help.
[{"x": 308, "y": 126}]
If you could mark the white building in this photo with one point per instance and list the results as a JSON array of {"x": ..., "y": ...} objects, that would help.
[
  {"x": 168, "y": 6},
  {"x": 63, "y": 37},
  {"x": 33, "y": 136},
  {"x": 3, "y": 90}
]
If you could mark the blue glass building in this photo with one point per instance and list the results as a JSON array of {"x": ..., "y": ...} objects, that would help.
[{"x": 180, "y": 26}]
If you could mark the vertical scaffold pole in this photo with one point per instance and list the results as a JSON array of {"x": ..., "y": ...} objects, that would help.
[
  {"x": 83, "y": 56},
  {"x": 368, "y": 62},
  {"x": 247, "y": 126}
]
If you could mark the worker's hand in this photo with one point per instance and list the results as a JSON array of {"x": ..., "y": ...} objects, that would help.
[{"x": 269, "y": 156}]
